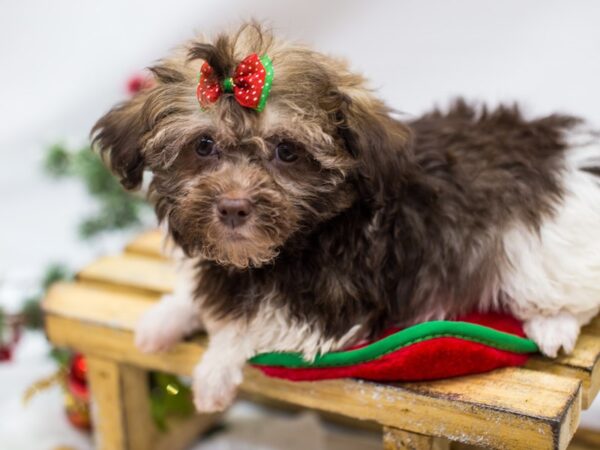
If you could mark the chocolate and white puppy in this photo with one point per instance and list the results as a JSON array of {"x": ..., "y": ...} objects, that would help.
[{"x": 322, "y": 219}]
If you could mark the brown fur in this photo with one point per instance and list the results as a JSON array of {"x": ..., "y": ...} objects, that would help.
[{"x": 378, "y": 221}]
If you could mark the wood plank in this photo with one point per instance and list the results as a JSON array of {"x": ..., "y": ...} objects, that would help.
[
  {"x": 122, "y": 411},
  {"x": 182, "y": 432},
  {"x": 149, "y": 243},
  {"x": 526, "y": 407},
  {"x": 154, "y": 275},
  {"x": 459, "y": 412},
  {"x": 94, "y": 303},
  {"x": 109, "y": 422},
  {"x": 593, "y": 327},
  {"x": 583, "y": 440},
  {"x": 134, "y": 399},
  {"x": 117, "y": 344},
  {"x": 403, "y": 440},
  {"x": 583, "y": 364},
  {"x": 136, "y": 271},
  {"x": 586, "y": 440}
]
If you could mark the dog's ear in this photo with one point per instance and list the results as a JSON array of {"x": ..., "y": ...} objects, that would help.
[
  {"x": 118, "y": 138},
  {"x": 375, "y": 139}
]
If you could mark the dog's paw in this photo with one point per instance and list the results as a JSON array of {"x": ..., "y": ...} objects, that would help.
[
  {"x": 214, "y": 388},
  {"x": 551, "y": 333},
  {"x": 161, "y": 326}
]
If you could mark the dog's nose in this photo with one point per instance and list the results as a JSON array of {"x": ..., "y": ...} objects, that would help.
[{"x": 234, "y": 212}]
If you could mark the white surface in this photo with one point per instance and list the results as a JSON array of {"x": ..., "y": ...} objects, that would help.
[
  {"x": 42, "y": 423},
  {"x": 64, "y": 63}
]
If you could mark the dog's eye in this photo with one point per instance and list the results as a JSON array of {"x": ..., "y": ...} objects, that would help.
[
  {"x": 286, "y": 152},
  {"x": 205, "y": 146}
]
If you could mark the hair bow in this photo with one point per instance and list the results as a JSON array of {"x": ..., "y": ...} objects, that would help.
[{"x": 250, "y": 83}]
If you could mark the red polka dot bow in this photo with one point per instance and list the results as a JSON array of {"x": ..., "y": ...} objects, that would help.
[{"x": 250, "y": 83}]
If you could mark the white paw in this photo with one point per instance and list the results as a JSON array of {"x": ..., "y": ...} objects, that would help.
[
  {"x": 215, "y": 388},
  {"x": 163, "y": 325},
  {"x": 551, "y": 333}
]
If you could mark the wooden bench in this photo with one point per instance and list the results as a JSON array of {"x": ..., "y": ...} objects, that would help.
[{"x": 536, "y": 407}]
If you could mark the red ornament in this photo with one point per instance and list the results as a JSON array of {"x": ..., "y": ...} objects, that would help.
[
  {"x": 12, "y": 334},
  {"x": 5, "y": 353},
  {"x": 76, "y": 380},
  {"x": 77, "y": 394},
  {"x": 139, "y": 82},
  {"x": 79, "y": 367},
  {"x": 250, "y": 84}
]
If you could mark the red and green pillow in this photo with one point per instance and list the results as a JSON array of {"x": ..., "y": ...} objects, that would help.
[{"x": 426, "y": 351}]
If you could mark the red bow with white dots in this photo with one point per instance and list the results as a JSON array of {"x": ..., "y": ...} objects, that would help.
[{"x": 250, "y": 83}]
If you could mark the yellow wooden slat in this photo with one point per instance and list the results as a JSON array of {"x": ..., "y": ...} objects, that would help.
[
  {"x": 183, "y": 431},
  {"x": 586, "y": 440},
  {"x": 90, "y": 303},
  {"x": 528, "y": 417},
  {"x": 129, "y": 270},
  {"x": 123, "y": 417},
  {"x": 109, "y": 421},
  {"x": 157, "y": 276},
  {"x": 82, "y": 305},
  {"x": 513, "y": 408},
  {"x": 149, "y": 243},
  {"x": 135, "y": 405},
  {"x": 583, "y": 364},
  {"x": 594, "y": 326},
  {"x": 401, "y": 440}
]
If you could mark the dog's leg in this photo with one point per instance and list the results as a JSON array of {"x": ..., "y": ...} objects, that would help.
[
  {"x": 219, "y": 373},
  {"x": 556, "y": 332},
  {"x": 551, "y": 276},
  {"x": 553, "y": 333},
  {"x": 173, "y": 317}
]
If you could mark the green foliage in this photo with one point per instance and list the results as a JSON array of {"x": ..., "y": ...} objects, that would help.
[
  {"x": 62, "y": 356},
  {"x": 117, "y": 209},
  {"x": 57, "y": 161},
  {"x": 33, "y": 317},
  {"x": 169, "y": 397},
  {"x": 55, "y": 272}
]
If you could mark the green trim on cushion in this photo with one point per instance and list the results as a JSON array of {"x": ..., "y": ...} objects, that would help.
[
  {"x": 269, "y": 73},
  {"x": 403, "y": 338}
]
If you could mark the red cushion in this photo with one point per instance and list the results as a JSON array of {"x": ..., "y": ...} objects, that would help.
[{"x": 427, "y": 359}]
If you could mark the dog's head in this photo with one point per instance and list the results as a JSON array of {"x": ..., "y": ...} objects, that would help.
[{"x": 235, "y": 184}]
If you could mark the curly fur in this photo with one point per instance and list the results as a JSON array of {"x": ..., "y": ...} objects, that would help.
[{"x": 378, "y": 222}]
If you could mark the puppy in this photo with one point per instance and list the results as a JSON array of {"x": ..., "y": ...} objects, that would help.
[{"x": 309, "y": 218}]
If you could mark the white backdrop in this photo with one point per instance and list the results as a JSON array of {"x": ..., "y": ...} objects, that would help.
[{"x": 63, "y": 63}]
